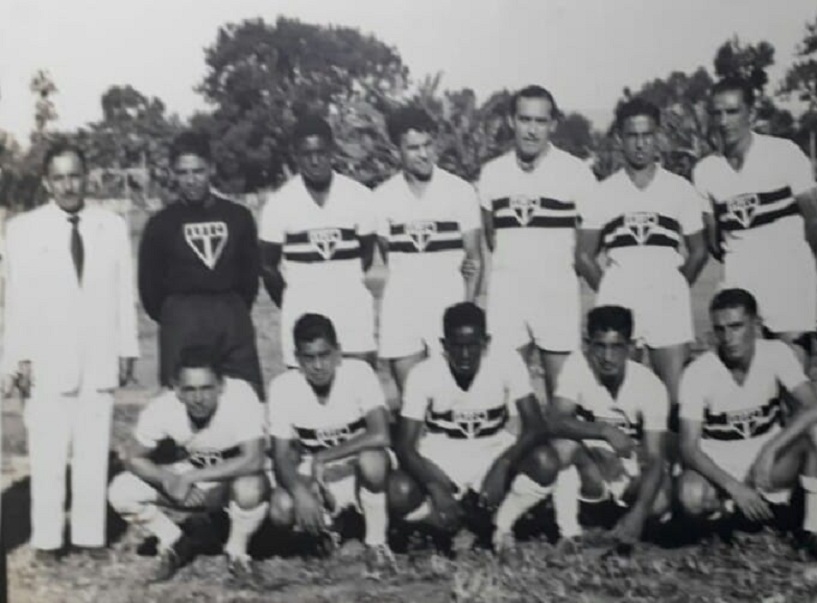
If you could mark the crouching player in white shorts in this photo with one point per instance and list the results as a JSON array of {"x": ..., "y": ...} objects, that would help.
[
  {"x": 454, "y": 433},
  {"x": 616, "y": 410},
  {"x": 219, "y": 424},
  {"x": 736, "y": 452},
  {"x": 330, "y": 429}
]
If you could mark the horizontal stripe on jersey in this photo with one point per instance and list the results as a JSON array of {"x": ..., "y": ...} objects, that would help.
[
  {"x": 208, "y": 458},
  {"x": 424, "y": 236},
  {"x": 321, "y": 245},
  {"x": 467, "y": 424},
  {"x": 744, "y": 424},
  {"x": 743, "y": 212},
  {"x": 314, "y": 440},
  {"x": 633, "y": 429},
  {"x": 641, "y": 228},
  {"x": 533, "y": 212}
]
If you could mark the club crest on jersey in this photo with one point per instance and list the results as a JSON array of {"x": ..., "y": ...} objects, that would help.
[
  {"x": 746, "y": 423},
  {"x": 325, "y": 241},
  {"x": 332, "y": 436},
  {"x": 524, "y": 208},
  {"x": 470, "y": 422},
  {"x": 742, "y": 208},
  {"x": 207, "y": 240},
  {"x": 640, "y": 224},
  {"x": 205, "y": 458},
  {"x": 421, "y": 232}
]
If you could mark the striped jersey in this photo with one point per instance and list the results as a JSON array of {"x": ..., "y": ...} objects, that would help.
[
  {"x": 534, "y": 213},
  {"x": 295, "y": 413},
  {"x": 450, "y": 413},
  {"x": 320, "y": 243},
  {"x": 424, "y": 234},
  {"x": 643, "y": 226},
  {"x": 755, "y": 206},
  {"x": 641, "y": 404},
  {"x": 731, "y": 411}
]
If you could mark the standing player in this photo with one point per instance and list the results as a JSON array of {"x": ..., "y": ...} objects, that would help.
[
  {"x": 454, "y": 434},
  {"x": 429, "y": 226},
  {"x": 330, "y": 430},
  {"x": 219, "y": 426},
  {"x": 639, "y": 217},
  {"x": 732, "y": 441},
  {"x": 762, "y": 215},
  {"x": 198, "y": 269},
  {"x": 616, "y": 410},
  {"x": 322, "y": 225},
  {"x": 529, "y": 212}
]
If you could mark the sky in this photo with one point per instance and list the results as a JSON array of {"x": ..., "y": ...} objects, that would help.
[{"x": 584, "y": 51}]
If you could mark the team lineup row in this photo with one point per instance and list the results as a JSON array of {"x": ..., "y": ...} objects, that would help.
[{"x": 545, "y": 220}]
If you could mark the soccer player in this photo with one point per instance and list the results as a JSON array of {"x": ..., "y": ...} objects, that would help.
[
  {"x": 732, "y": 441},
  {"x": 615, "y": 412},
  {"x": 640, "y": 217},
  {"x": 529, "y": 213},
  {"x": 330, "y": 431},
  {"x": 455, "y": 434},
  {"x": 319, "y": 230},
  {"x": 217, "y": 424},
  {"x": 428, "y": 227},
  {"x": 199, "y": 268},
  {"x": 761, "y": 215}
]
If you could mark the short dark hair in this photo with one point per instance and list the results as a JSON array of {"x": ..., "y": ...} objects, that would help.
[
  {"x": 636, "y": 107},
  {"x": 610, "y": 318},
  {"x": 63, "y": 147},
  {"x": 197, "y": 356},
  {"x": 534, "y": 91},
  {"x": 191, "y": 142},
  {"x": 311, "y": 125},
  {"x": 409, "y": 118},
  {"x": 310, "y": 327},
  {"x": 463, "y": 314},
  {"x": 734, "y": 84},
  {"x": 734, "y": 298}
]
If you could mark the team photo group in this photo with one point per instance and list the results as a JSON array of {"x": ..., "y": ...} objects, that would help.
[{"x": 481, "y": 303}]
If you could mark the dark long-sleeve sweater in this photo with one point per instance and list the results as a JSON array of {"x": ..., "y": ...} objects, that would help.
[{"x": 212, "y": 248}]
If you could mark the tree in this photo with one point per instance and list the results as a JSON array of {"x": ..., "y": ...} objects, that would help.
[
  {"x": 747, "y": 62},
  {"x": 574, "y": 133},
  {"x": 801, "y": 81},
  {"x": 44, "y": 111}
]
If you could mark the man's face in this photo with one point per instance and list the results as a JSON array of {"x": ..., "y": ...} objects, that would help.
[
  {"x": 735, "y": 334},
  {"x": 199, "y": 389},
  {"x": 193, "y": 177},
  {"x": 65, "y": 181},
  {"x": 314, "y": 159},
  {"x": 607, "y": 353},
  {"x": 464, "y": 348},
  {"x": 319, "y": 360},
  {"x": 731, "y": 116},
  {"x": 417, "y": 154},
  {"x": 638, "y": 141},
  {"x": 532, "y": 125}
]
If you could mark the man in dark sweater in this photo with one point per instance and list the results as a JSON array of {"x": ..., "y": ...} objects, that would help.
[{"x": 199, "y": 269}]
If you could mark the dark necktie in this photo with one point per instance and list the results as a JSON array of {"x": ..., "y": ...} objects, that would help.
[{"x": 77, "y": 250}]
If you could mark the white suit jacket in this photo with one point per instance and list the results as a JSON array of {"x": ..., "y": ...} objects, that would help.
[{"x": 72, "y": 333}]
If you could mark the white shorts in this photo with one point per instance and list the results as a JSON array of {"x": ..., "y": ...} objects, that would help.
[
  {"x": 546, "y": 312},
  {"x": 351, "y": 310},
  {"x": 660, "y": 303}
]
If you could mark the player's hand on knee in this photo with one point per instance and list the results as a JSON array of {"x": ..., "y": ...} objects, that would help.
[
  {"x": 195, "y": 499},
  {"x": 445, "y": 508},
  {"x": 622, "y": 444},
  {"x": 177, "y": 487},
  {"x": 308, "y": 510},
  {"x": 760, "y": 473},
  {"x": 750, "y": 502}
]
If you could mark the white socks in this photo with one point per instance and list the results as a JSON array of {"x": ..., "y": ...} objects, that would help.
[
  {"x": 160, "y": 525},
  {"x": 375, "y": 516},
  {"x": 810, "y": 490},
  {"x": 522, "y": 495},
  {"x": 243, "y": 524},
  {"x": 566, "y": 502}
]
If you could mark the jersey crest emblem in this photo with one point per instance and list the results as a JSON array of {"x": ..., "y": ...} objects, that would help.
[
  {"x": 205, "y": 458},
  {"x": 524, "y": 208},
  {"x": 470, "y": 422},
  {"x": 207, "y": 240},
  {"x": 421, "y": 233},
  {"x": 742, "y": 208},
  {"x": 640, "y": 224},
  {"x": 332, "y": 436},
  {"x": 746, "y": 422},
  {"x": 325, "y": 241}
]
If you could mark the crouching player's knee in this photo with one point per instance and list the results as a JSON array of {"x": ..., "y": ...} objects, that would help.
[
  {"x": 249, "y": 491},
  {"x": 126, "y": 495},
  {"x": 281, "y": 509},
  {"x": 373, "y": 469},
  {"x": 696, "y": 496},
  {"x": 542, "y": 465},
  {"x": 403, "y": 494}
]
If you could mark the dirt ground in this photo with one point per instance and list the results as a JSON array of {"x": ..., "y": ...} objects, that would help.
[{"x": 758, "y": 567}]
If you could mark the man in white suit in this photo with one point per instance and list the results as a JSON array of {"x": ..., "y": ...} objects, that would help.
[{"x": 70, "y": 340}]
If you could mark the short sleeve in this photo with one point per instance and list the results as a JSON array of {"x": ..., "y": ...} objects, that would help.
[
  {"x": 655, "y": 407},
  {"x": 801, "y": 178},
  {"x": 246, "y": 413},
  {"x": 469, "y": 213},
  {"x": 588, "y": 206},
  {"x": 484, "y": 189},
  {"x": 416, "y": 396},
  {"x": 787, "y": 368},
  {"x": 692, "y": 393},
  {"x": 271, "y": 224},
  {"x": 570, "y": 379},
  {"x": 690, "y": 217},
  {"x": 279, "y": 418},
  {"x": 699, "y": 180},
  {"x": 370, "y": 392},
  {"x": 381, "y": 213},
  {"x": 367, "y": 218},
  {"x": 150, "y": 428}
]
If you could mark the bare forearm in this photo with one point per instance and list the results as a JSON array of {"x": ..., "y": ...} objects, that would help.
[
  {"x": 589, "y": 269},
  {"x": 575, "y": 429},
  {"x": 228, "y": 469},
  {"x": 693, "y": 265},
  {"x": 147, "y": 470},
  {"x": 364, "y": 441},
  {"x": 424, "y": 471},
  {"x": 699, "y": 461},
  {"x": 275, "y": 284},
  {"x": 651, "y": 480}
]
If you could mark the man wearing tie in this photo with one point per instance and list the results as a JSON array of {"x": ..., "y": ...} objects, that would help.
[{"x": 70, "y": 340}]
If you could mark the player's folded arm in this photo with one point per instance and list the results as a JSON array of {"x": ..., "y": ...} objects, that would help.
[
  {"x": 249, "y": 460},
  {"x": 270, "y": 265},
  {"x": 424, "y": 471},
  {"x": 562, "y": 422},
  {"x": 375, "y": 437},
  {"x": 151, "y": 267},
  {"x": 137, "y": 459},
  {"x": 249, "y": 261}
]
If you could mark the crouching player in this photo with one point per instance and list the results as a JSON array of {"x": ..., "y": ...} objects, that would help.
[
  {"x": 454, "y": 433},
  {"x": 330, "y": 430},
  {"x": 218, "y": 424},
  {"x": 615, "y": 412},
  {"x": 737, "y": 449}
]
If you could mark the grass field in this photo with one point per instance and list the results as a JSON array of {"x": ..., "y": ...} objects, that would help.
[{"x": 760, "y": 568}]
